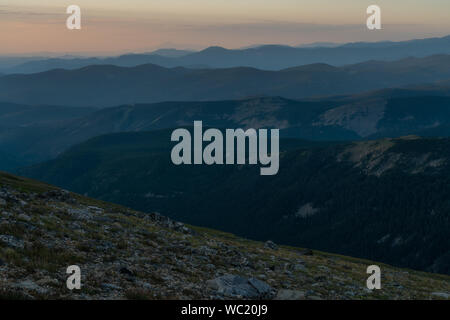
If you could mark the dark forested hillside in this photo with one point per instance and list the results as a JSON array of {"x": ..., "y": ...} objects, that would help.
[
  {"x": 33, "y": 134},
  {"x": 22, "y": 127},
  {"x": 385, "y": 200},
  {"x": 14, "y": 115}
]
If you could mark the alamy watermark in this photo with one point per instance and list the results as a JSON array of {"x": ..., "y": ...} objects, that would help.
[
  {"x": 73, "y": 22},
  {"x": 235, "y": 147},
  {"x": 374, "y": 20},
  {"x": 374, "y": 281},
  {"x": 74, "y": 280}
]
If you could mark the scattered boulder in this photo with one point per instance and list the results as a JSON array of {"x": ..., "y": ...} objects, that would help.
[
  {"x": 56, "y": 194},
  {"x": 30, "y": 285},
  {"x": 96, "y": 210},
  {"x": 80, "y": 213},
  {"x": 235, "y": 286},
  {"x": 299, "y": 267},
  {"x": 168, "y": 223},
  {"x": 110, "y": 286},
  {"x": 12, "y": 241},
  {"x": 441, "y": 295},
  {"x": 23, "y": 203},
  {"x": 270, "y": 245},
  {"x": 48, "y": 281},
  {"x": 24, "y": 217}
]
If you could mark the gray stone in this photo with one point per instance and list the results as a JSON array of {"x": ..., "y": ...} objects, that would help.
[
  {"x": 95, "y": 209},
  {"x": 110, "y": 286},
  {"x": 299, "y": 267},
  {"x": 6, "y": 214},
  {"x": 30, "y": 285},
  {"x": 24, "y": 217},
  {"x": 12, "y": 241},
  {"x": 146, "y": 286},
  {"x": 271, "y": 245},
  {"x": 210, "y": 267},
  {"x": 442, "y": 295},
  {"x": 235, "y": 286},
  {"x": 80, "y": 213},
  {"x": 48, "y": 281}
]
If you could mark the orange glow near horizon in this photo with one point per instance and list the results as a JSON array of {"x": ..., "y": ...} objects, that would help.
[{"x": 117, "y": 26}]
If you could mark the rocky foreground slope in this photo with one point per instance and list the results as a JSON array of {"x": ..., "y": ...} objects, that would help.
[{"x": 124, "y": 254}]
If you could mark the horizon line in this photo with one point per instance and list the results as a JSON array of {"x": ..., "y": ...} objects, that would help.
[{"x": 84, "y": 54}]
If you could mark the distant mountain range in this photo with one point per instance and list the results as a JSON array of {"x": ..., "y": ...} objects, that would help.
[
  {"x": 107, "y": 85},
  {"x": 384, "y": 200},
  {"x": 8, "y": 62},
  {"x": 266, "y": 57},
  {"x": 320, "y": 45},
  {"x": 171, "y": 53}
]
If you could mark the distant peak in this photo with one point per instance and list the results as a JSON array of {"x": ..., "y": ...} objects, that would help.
[{"x": 215, "y": 49}]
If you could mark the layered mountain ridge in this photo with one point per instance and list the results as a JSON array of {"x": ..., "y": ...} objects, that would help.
[
  {"x": 267, "y": 57},
  {"x": 109, "y": 85},
  {"x": 385, "y": 113}
]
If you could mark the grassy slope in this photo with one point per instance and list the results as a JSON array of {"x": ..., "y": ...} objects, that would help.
[{"x": 325, "y": 276}]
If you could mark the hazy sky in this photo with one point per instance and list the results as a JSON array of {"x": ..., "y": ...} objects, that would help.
[{"x": 117, "y": 26}]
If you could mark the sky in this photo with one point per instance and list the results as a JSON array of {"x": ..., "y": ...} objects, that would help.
[{"x": 119, "y": 26}]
